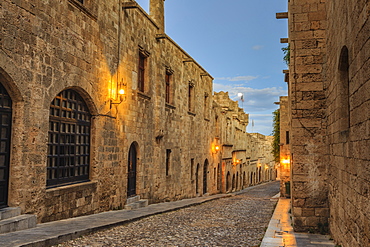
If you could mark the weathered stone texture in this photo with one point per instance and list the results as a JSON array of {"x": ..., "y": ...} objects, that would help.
[
  {"x": 329, "y": 85},
  {"x": 307, "y": 44},
  {"x": 93, "y": 48},
  {"x": 285, "y": 155},
  {"x": 349, "y": 26}
]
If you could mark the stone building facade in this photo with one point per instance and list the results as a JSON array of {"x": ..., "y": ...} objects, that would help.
[
  {"x": 329, "y": 97},
  {"x": 98, "y": 105},
  {"x": 284, "y": 144}
]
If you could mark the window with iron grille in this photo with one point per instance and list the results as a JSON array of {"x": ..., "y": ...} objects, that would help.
[{"x": 69, "y": 140}]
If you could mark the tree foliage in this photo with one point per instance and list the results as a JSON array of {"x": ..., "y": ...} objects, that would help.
[
  {"x": 276, "y": 134},
  {"x": 286, "y": 51}
]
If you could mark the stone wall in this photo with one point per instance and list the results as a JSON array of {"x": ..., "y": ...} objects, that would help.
[
  {"x": 285, "y": 156},
  {"x": 348, "y": 103},
  {"x": 329, "y": 97},
  {"x": 93, "y": 48},
  {"x": 307, "y": 22}
]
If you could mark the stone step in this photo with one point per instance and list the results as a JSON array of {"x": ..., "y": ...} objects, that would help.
[
  {"x": 20, "y": 222},
  {"x": 138, "y": 204},
  {"x": 132, "y": 199},
  {"x": 6, "y": 213}
]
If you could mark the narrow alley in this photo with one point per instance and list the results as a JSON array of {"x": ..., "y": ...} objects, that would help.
[{"x": 240, "y": 220}]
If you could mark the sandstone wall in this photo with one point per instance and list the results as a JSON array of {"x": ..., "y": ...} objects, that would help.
[
  {"x": 329, "y": 97},
  {"x": 348, "y": 103},
  {"x": 94, "y": 48},
  {"x": 307, "y": 23},
  {"x": 285, "y": 156}
]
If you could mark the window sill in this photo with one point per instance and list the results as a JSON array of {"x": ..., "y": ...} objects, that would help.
[
  {"x": 170, "y": 106},
  {"x": 143, "y": 95},
  {"x": 83, "y": 9},
  {"x": 71, "y": 187}
]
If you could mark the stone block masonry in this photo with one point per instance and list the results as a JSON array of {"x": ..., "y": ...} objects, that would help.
[
  {"x": 329, "y": 99},
  {"x": 72, "y": 144}
]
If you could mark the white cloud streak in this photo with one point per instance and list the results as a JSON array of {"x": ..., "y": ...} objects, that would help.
[
  {"x": 257, "y": 47},
  {"x": 238, "y": 78}
]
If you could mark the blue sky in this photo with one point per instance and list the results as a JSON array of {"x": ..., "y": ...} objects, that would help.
[{"x": 238, "y": 43}]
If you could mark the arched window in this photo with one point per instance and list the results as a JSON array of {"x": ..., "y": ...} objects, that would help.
[{"x": 69, "y": 140}]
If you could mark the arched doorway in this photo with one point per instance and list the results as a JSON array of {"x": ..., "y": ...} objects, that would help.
[
  {"x": 197, "y": 180},
  {"x": 237, "y": 181},
  {"x": 228, "y": 182},
  {"x": 131, "y": 173},
  {"x": 5, "y": 135},
  {"x": 205, "y": 173}
]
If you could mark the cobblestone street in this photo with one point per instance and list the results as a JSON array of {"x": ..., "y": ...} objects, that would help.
[{"x": 240, "y": 220}]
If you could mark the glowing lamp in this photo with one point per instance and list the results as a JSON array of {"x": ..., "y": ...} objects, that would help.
[
  {"x": 285, "y": 161},
  {"x": 121, "y": 92},
  {"x": 215, "y": 148}
]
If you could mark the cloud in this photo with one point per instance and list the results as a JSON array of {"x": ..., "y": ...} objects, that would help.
[
  {"x": 237, "y": 78},
  {"x": 257, "y": 47},
  {"x": 258, "y": 102},
  {"x": 255, "y": 100}
]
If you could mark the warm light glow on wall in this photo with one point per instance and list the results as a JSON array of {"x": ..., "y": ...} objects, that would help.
[
  {"x": 215, "y": 148},
  {"x": 285, "y": 161}
]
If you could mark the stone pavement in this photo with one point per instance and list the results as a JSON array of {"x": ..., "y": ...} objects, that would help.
[
  {"x": 280, "y": 232},
  {"x": 239, "y": 220},
  {"x": 52, "y": 233}
]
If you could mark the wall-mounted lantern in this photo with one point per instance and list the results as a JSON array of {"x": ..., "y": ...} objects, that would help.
[
  {"x": 215, "y": 148},
  {"x": 117, "y": 95},
  {"x": 118, "y": 99}
]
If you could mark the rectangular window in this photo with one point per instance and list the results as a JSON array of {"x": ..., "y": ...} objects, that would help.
[
  {"x": 168, "y": 87},
  {"x": 141, "y": 75},
  {"x": 191, "y": 97},
  {"x": 287, "y": 137},
  {"x": 168, "y": 161},
  {"x": 206, "y": 105}
]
